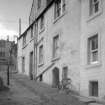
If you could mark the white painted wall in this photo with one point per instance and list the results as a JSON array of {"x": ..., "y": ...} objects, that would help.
[
  {"x": 90, "y": 26},
  {"x": 69, "y": 28}
]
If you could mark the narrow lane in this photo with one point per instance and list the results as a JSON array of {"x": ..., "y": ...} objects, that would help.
[{"x": 26, "y": 92}]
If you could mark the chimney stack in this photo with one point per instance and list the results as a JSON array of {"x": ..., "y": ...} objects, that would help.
[{"x": 19, "y": 26}]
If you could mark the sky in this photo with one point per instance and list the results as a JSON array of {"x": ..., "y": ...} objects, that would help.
[{"x": 10, "y": 12}]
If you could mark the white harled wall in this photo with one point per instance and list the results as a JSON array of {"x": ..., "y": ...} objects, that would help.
[
  {"x": 68, "y": 26},
  {"x": 91, "y": 26}
]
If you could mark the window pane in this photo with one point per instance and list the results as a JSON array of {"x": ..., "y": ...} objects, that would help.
[
  {"x": 41, "y": 54},
  {"x": 93, "y": 89},
  {"x": 95, "y": 56},
  {"x": 63, "y": 6},
  {"x": 31, "y": 31},
  {"x": 39, "y": 3},
  {"x": 96, "y": 7},
  {"x": 93, "y": 49},
  {"x": 42, "y": 22},
  {"x": 57, "y": 8},
  {"x": 94, "y": 43},
  {"x": 55, "y": 46}
]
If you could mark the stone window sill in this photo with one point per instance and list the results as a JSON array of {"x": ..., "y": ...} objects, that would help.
[
  {"x": 40, "y": 64},
  {"x": 93, "y": 65},
  {"x": 56, "y": 19},
  {"x": 94, "y": 16},
  {"x": 55, "y": 59},
  {"x": 41, "y": 30}
]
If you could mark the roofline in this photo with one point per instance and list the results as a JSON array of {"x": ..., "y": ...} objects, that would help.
[{"x": 45, "y": 9}]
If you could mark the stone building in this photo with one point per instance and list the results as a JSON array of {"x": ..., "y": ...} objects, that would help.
[
  {"x": 54, "y": 51},
  {"x": 92, "y": 48},
  {"x": 68, "y": 42}
]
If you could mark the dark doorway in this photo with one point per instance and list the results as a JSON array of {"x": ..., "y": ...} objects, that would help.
[
  {"x": 31, "y": 66},
  {"x": 23, "y": 64},
  {"x": 93, "y": 88},
  {"x": 55, "y": 77},
  {"x": 65, "y": 73},
  {"x": 41, "y": 78}
]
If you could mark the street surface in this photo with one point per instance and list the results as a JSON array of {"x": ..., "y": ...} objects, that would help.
[{"x": 24, "y": 91}]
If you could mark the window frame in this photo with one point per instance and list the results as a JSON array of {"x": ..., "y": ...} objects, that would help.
[
  {"x": 92, "y": 92},
  {"x": 99, "y": 63},
  {"x": 60, "y": 7},
  {"x": 56, "y": 46},
  {"x": 91, "y": 51},
  {"x": 24, "y": 40},
  {"x": 39, "y": 4},
  {"x": 32, "y": 33},
  {"x": 41, "y": 54},
  {"x": 42, "y": 22},
  {"x": 91, "y": 14}
]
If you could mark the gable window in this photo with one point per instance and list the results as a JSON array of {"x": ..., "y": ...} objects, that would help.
[
  {"x": 39, "y": 4},
  {"x": 93, "y": 49},
  {"x": 94, "y": 6},
  {"x": 55, "y": 46},
  {"x": 41, "y": 54},
  {"x": 60, "y": 7},
  {"x": 42, "y": 22}
]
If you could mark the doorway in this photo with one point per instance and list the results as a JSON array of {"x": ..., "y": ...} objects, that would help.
[
  {"x": 93, "y": 88},
  {"x": 55, "y": 77},
  {"x": 31, "y": 66}
]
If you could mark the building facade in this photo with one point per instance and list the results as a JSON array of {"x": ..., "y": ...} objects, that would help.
[
  {"x": 56, "y": 44},
  {"x": 68, "y": 42},
  {"x": 92, "y": 48}
]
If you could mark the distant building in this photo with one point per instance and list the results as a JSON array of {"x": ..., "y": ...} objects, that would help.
[{"x": 7, "y": 47}]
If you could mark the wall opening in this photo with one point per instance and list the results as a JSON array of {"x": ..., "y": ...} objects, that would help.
[
  {"x": 93, "y": 88},
  {"x": 55, "y": 77},
  {"x": 41, "y": 77},
  {"x": 31, "y": 66}
]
